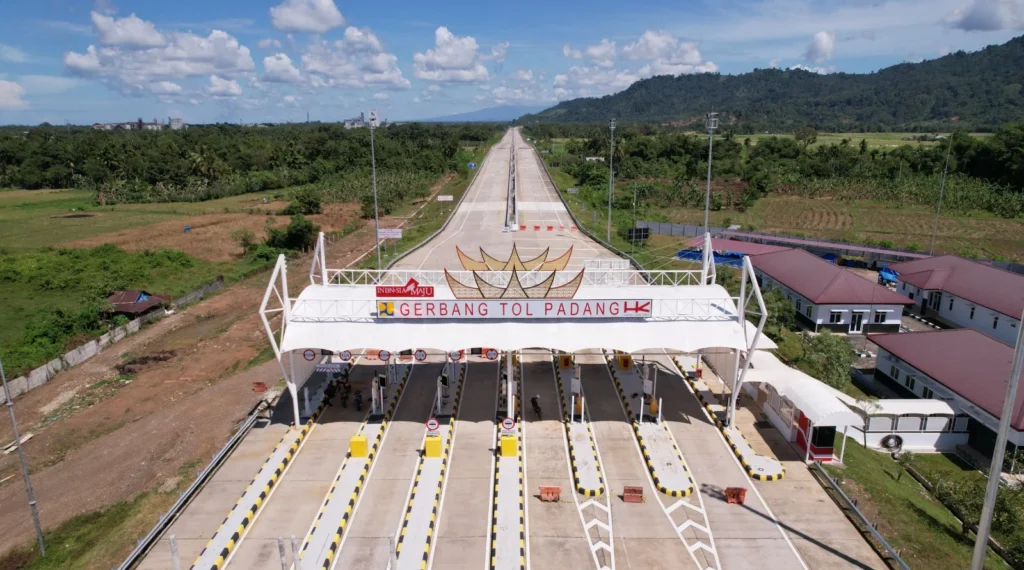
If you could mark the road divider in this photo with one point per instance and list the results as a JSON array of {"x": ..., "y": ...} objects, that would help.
[{"x": 586, "y": 474}]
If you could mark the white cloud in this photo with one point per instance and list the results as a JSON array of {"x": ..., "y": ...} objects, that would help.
[
  {"x": 453, "y": 59},
  {"x": 47, "y": 83},
  {"x": 130, "y": 32},
  {"x": 499, "y": 52},
  {"x": 434, "y": 88},
  {"x": 814, "y": 69},
  {"x": 525, "y": 75},
  {"x": 586, "y": 81},
  {"x": 381, "y": 96},
  {"x": 821, "y": 47},
  {"x": 185, "y": 55},
  {"x": 357, "y": 61},
  {"x": 315, "y": 16},
  {"x": 11, "y": 96},
  {"x": 220, "y": 87},
  {"x": 11, "y": 54},
  {"x": 652, "y": 45},
  {"x": 164, "y": 88},
  {"x": 987, "y": 16},
  {"x": 289, "y": 101},
  {"x": 268, "y": 43},
  {"x": 503, "y": 94},
  {"x": 669, "y": 55},
  {"x": 416, "y": 100},
  {"x": 774, "y": 63},
  {"x": 601, "y": 54},
  {"x": 278, "y": 68},
  {"x": 104, "y": 6}
]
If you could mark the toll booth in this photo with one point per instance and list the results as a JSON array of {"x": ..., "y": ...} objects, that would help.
[{"x": 821, "y": 441}]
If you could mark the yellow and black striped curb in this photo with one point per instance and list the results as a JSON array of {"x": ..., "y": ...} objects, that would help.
[
  {"x": 253, "y": 510},
  {"x": 440, "y": 480},
  {"x": 522, "y": 470},
  {"x": 643, "y": 446},
  {"x": 756, "y": 475},
  {"x": 600, "y": 490},
  {"x": 347, "y": 517},
  {"x": 522, "y": 495}
]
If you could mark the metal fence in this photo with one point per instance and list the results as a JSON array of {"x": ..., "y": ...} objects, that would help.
[{"x": 678, "y": 230}]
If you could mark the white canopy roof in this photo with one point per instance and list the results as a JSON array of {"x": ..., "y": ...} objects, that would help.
[
  {"x": 685, "y": 319},
  {"x": 816, "y": 400},
  {"x": 913, "y": 406}
]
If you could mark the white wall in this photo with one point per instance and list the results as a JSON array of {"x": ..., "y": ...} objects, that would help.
[
  {"x": 821, "y": 314},
  {"x": 912, "y": 441},
  {"x": 960, "y": 314}
]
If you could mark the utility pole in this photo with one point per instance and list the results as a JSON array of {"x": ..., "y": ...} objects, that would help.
[
  {"x": 24, "y": 464},
  {"x": 942, "y": 187},
  {"x": 632, "y": 241},
  {"x": 611, "y": 179},
  {"x": 994, "y": 472},
  {"x": 373, "y": 162},
  {"x": 711, "y": 122}
]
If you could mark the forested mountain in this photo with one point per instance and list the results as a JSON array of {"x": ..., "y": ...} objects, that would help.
[{"x": 978, "y": 91}]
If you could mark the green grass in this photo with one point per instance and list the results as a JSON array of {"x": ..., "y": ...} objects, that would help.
[
  {"x": 851, "y": 389},
  {"x": 925, "y": 533},
  {"x": 875, "y": 140}
]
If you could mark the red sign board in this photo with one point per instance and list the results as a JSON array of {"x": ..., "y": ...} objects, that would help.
[
  {"x": 508, "y": 424},
  {"x": 420, "y": 355},
  {"x": 492, "y": 354},
  {"x": 520, "y": 309},
  {"x": 412, "y": 289},
  {"x": 384, "y": 355},
  {"x": 433, "y": 424}
]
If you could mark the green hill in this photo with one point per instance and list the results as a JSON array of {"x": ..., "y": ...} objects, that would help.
[{"x": 978, "y": 91}]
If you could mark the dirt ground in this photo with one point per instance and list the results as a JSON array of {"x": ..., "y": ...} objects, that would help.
[
  {"x": 209, "y": 235},
  {"x": 101, "y": 436}
]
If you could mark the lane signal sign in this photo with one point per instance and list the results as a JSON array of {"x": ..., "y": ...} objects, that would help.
[
  {"x": 508, "y": 424},
  {"x": 420, "y": 355},
  {"x": 346, "y": 355},
  {"x": 492, "y": 354},
  {"x": 384, "y": 355},
  {"x": 433, "y": 424},
  {"x": 308, "y": 354},
  {"x": 455, "y": 355}
]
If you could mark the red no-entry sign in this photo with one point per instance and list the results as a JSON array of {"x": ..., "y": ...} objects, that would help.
[
  {"x": 508, "y": 424},
  {"x": 455, "y": 355},
  {"x": 433, "y": 424},
  {"x": 384, "y": 355},
  {"x": 420, "y": 355},
  {"x": 492, "y": 354}
]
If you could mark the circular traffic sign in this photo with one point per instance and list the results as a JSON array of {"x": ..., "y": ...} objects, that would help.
[
  {"x": 346, "y": 355},
  {"x": 492, "y": 354},
  {"x": 384, "y": 355},
  {"x": 420, "y": 355},
  {"x": 508, "y": 424},
  {"x": 455, "y": 355},
  {"x": 308, "y": 354},
  {"x": 433, "y": 424}
]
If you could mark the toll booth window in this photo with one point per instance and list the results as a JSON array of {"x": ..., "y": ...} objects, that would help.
[{"x": 823, "y": 436}]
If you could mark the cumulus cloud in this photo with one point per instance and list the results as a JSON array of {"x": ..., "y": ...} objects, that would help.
[
  {"x": 356, "y": 61},
  {"x": 583, "y": 81},
  {"x": 525, "y": 75},
  {"x": 381, "y": 96},
  {"x": 434, "y": 88},
  {"x": 11, "y": 96},
  {"x": 268, "y": 43},
  {"x": 278, "y": 68},
  {"x": 601, "y": 54},
  {"x": 988, "y": 16},
  {"x": 47, "y": 83},
  {"x": 821, "y": 48},
  {"x": 129, "y": 32},
  {"x": 814, "y": 69},
  {"x": 124, "y": 61},
  {"x": 453, "y": 59},
  {"x": 571, "y": 53},
  {"x": 499, "y": 52},
  {"x": 104, "y": 6},
  {"x": 668, "y": 55},
  {"x": 416, "y": 100},
  {"x": 164, "y": 88},
  {"x": 314, "y": 16},
  {"x": 220, "y": 87},
  {"x": 11, "y": 54}
]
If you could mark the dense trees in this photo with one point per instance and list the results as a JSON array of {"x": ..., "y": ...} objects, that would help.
[
  {"x": 976, "y": 91},
  {"x": 205, "y": 162}
]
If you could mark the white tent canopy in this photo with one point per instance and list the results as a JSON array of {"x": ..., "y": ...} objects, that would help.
[{"x": 816, "y": 400}]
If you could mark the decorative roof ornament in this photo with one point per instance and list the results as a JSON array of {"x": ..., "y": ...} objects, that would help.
[{"x": 484, "y": 289}]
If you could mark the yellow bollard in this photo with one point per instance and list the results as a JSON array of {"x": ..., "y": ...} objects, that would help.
[
  {"x": 579, "y": 404},
  {"x": 565, "y": 360},
  {"x": 432, "y": 446},
  {"x": 509, "y": 446},
  {"x": 625, "y": 361},
  {"x": 357, "y": 445},
  {"x": 654, "y": 407}
]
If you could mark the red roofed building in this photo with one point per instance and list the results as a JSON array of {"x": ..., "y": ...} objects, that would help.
[
  {"x": 964, "y": 294},
  {"x": 827, "y": 296},
  {"x": 960, "y": 366}
]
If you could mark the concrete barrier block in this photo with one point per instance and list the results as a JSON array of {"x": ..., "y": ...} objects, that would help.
[{"x": 133, "y": 326}]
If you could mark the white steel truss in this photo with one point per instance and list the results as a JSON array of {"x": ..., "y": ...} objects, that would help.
[
  {"x": 279, "y": 311},
  {"x": 748, "y": 275}
]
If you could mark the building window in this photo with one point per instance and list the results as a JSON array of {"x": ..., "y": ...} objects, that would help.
[
  {"x": 972, "y": 313},
  {"x": 835, "y": 317},
  {"x": 950, "y": 303},
  {"x": 879, "y": 317},
  {"x": 927, "y": 393},
  {"x": 995, "y": 321},
  {"x": 910, "y": 382},
  {"x": 894, "y": 372},
  {"x": 799, "y": 306},
  {"x": 911, "y": 295},
  {"x": 904, "y": 286},
  {"x": 808, "y": 311}
]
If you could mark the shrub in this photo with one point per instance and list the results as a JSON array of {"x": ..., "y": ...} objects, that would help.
[{"x": 299, "y": 235}]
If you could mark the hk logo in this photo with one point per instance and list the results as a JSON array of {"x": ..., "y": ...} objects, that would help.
[{"x": 412, "y": 289}]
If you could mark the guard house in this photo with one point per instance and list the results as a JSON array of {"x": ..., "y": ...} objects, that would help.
[
  {"x": 509, "y": 304},
  {"x": 826, "y": 296}
]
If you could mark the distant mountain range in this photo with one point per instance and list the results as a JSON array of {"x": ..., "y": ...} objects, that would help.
[
  {"x": 980, "y": 90},
  {"x": 488, "y": 115}
]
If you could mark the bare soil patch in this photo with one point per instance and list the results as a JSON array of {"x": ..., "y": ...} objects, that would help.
[{"x": 73, "y": 216}]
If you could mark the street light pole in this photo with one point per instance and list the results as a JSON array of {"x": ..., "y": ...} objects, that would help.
[
  {"x": 711, "y": 122},
  {"x": 994, "y": 472},
  {"x": 942, "y": 187},
  {"x": 373, "y": 162},
  {"x": 24, "y": 464},
  {"x": 611, "y": 179}
]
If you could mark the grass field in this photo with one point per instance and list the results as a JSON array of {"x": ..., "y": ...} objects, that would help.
[
  {"x": 925, "y": 533},
  {"x": 881, "y": 141}
]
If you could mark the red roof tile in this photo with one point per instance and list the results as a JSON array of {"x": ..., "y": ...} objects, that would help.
[
  {"x": 966, "y": 361},
  {"x": 988, "y": 286},
  {"x": 744, "y": 247},
  {"x": 822, "y": 282}
]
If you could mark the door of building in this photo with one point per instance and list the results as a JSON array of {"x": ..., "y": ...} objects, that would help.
[{"x": 856, "y": 322}]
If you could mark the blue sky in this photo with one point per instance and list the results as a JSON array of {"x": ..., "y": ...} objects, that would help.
[{"x": 88, "y": 61}]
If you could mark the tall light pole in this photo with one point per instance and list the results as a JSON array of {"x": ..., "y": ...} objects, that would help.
[
  {"x": 24, "y": 464},
  {"x": 373, "y": 162},
  {"x": 632, "y": 230},
  {"x": 942, "y": 187},
  {"x": 611, "y": 179},
  {"x": 711, "y": 122},
  {"x": 994, "y": 472}
]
